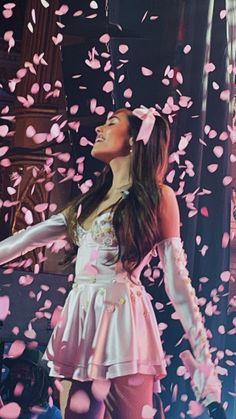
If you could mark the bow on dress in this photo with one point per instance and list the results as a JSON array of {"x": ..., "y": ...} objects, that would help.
[{"x": 148, "y": 116}]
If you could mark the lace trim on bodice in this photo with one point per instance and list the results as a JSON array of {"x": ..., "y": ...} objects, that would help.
[{"x": 101, "y": 230}]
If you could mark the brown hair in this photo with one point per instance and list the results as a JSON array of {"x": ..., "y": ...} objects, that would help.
[{"x": 135, "y": 218}]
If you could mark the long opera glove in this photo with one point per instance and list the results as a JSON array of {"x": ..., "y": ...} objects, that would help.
[
  {"x": 206, "y": 385},
  {"x": 35, "y": 236}
]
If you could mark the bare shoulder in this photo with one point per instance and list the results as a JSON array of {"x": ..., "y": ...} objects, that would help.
[{"x": 168, "y": 213}]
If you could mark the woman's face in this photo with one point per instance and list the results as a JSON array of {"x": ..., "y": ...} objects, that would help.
[{"x": 112, "y": 138}]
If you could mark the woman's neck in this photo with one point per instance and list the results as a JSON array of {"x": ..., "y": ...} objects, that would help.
[{"x": 120, "y": 167}]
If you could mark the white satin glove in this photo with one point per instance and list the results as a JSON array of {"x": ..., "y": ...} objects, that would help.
[
  {"x": 206, "y": 385},
  {"x": 35, "y": 236}
]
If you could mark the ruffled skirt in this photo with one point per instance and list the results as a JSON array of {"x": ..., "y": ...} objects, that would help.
[{"x": 106, "y": 331}]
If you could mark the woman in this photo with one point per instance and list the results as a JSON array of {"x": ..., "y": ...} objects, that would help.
[{"x": 108, "y": 328}]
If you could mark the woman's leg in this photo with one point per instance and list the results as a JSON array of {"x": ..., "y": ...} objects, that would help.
[
  {"x": 127, "y": 396},
  {"x": 70, "y": 399}
]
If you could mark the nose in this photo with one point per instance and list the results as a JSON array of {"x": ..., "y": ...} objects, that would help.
[{"x": 98, "y": 129}]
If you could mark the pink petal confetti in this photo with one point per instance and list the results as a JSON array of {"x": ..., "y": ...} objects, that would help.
[
  {"x": 57, "y": 39},
  {"x": 179, "y": 77},
  {"x": 30, "y": 333},
  {"x": 104, "y": 39},
  {"x": 144, "y": 16},
  {"x": 212, "y": 168},
  {"x": 78, "y": 13},
  {"x": 204, "y": 211},
  {"x": 225, "y": 240},
  {"x": 225, "y": 95},
  {"x": 146, "y": 71},
  {"x": 74, "y": 109},
  {"x": 223, "y": 14},
  {"x": 45, "y": 3},
  {"x": 128, "y": 93},
  {"x": 123, "y": 48},
  {"x": 100, "y": 389},
  {"x": 218, "y": 151},
  {"x": 40, "y": 137},
  {"x": 187, "y": 49},
  {"x": 108, "y": 87},
  {"x": 49, "y": 186},
  {"x": 165, "y": 81},
  {"x": 7, "y": 13},
  {"x": 25, "y": 280},
  {"x": 195, "y": 409},
  {"x": 10, "y": 411},
  {"x": 215, "y": 85},
  {"x": 227, "y": 180},
  {"x": 84, "y": 142},
  {"x": 93, "y": 104},
  {"x": 15, "y": 330},
  {"x": 41, "y": 207},
  {"x": 225, "y": 276},
  {"x": 4, "y": 307},
  {"x": 11, "y": 190},
  {"x": 62, "y": 11},
  {"x": 148, "y": 411},
  {"x": 212, "y": 134},
  {"x": 30, "y": 131},
  {"x": 34, "y": 89},
  {"x": 29, "y": 217},
  {"x": 100, "y": 110},
  {"x": 5, "y": 163},
  {"x": 223, "y": 136},
  {"x": 221, "y": 330},
  {"x": 17, "y": 348},
  {"x": 184, "y": 101},
  {"x": 159, "y": 306},
  {"x": 3, "y": 150},
  {"x": 3, "y": 130},
  {"x": 47, "y": 87},
  {"x": 210, "y": 67},
  {"x": 19, "y": 388},
  {"x": 93, "y": 5},
  {"x": 80, "y": 402},
  {"x": 154, "y": 17},
  {"x": 55, "y": 130},
  {"x": 170, "y": 176},
  {"x": 74, "y": 125},
  {"x": 30, "y": 27}
]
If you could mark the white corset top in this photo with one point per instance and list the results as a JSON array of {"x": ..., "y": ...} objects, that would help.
[{"x": 98, "y": 247}]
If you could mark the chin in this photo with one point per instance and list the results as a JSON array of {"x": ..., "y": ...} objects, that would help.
[{"x": 99, "y": 156}]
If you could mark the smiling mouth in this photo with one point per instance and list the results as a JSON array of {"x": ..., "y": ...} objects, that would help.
[{"x": 99, "y": 140}]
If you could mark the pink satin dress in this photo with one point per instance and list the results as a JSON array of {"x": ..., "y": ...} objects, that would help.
[{"x": 107, "y": 327}]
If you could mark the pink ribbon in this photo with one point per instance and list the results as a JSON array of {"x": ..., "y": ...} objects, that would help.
[{"x": 148, "y": 118}]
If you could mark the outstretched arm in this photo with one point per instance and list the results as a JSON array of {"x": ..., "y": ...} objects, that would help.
[
  {"x": 206, "y": 384},
  {"x": 36, "y": 236}
]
